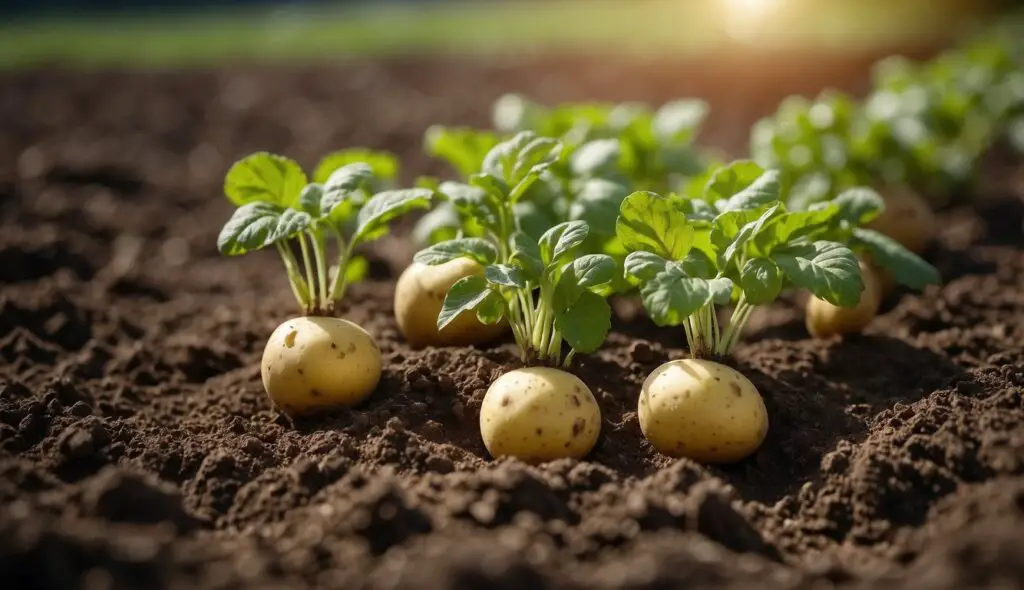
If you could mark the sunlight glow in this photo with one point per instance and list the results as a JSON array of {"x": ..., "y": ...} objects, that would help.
[{"x": 744, "y": 18}]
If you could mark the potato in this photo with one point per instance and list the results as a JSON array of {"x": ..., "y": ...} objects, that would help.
[
  {"x": 539, "y": 414},
  {"x": 316, "y": 362},
  {"x": 702, "y": 410},
  {"x": 419, "y": 293},
  {"x": 824, "y": 319},
  {"x": 907, "y": 218}
]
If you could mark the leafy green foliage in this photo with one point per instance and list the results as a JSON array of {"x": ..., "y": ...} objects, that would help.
[
  {"x": 925, "y": 125},
  {"x": 540, "y": 279},
  {"x": 278, "y": 207},
  {"x": 736, "y": 241}
]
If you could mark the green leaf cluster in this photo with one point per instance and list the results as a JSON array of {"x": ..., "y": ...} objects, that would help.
[
  {"x": 926, "y": 125},
  {"x": 349, "y": 201},
  {"x": 548, "y": 289},
  {"x": 737, "y": 242}
]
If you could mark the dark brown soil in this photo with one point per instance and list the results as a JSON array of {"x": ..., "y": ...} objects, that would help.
[{"x": 137, "y": 448}]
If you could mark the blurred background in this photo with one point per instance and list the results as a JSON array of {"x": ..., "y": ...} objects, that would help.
[{"x": 173, "y": 32}]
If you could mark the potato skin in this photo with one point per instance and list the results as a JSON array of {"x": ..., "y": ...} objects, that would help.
[
  {"x": 419, "y": 294},
  {"x": 702, "y": 410},
  {"x": 316, "y": 362},
  {"x": 824, "y": 319},
  {"x": 907, "y": 218},
  {"x": 539, "y": 414}
]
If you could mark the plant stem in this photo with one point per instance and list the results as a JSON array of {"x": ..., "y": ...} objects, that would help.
[
  {"x": 555, "y": 346},
  {"x": 310, "y": 275},
  {"x": 737, "y": 322},
  {"x": 689, "y": 337},
  {"x": 320, "y": 254},
  {"x": 299, "y": 287},
  {"x": 337, "y": 292},
  {"x": 568, "y": 358}
]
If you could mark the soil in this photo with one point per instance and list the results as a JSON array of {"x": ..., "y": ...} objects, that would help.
[{"x": 138, "y": 450}]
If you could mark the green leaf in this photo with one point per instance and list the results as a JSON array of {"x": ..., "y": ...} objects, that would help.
[
  {"x": 503, "y": 275},
  {"x": 732, "y": 179},
  {"x": 585, "y": 325},
  {"x": 906, "y": 268},
  {"x": 644, "y": 265},
  {"x": 561, "y": 240},
  {"x": 671, "y": 297},
  {"x": 385, "y": 207},
  {"x": 477, "y": 249},
  {"x": 532, "y": 219},
  {"x": 748, "y": 232},
  {"x": 463, "y": 148},
  {"x": 829, "y": 270},
  {"x": 721, "y": 290},
  {"x": 678, "y": 121},
  {"x": 493, "y": 185},
  {"x": 535, "y": 157},
  {"x": 383, "y": 165},
  {"x": 597, "y": 202},
  {"x": 859, "y": 205},
  {"x": 764, "y": 190},
  {"x": 526, "y": 256},
  {"x": 593, "y": 270},
  {"x": 257, "y": 225},
  {"x": 784, "y": 228},
  {"x": 696, "y": 209},
  {"x": 357, "y": 269},
  {"x": 439, "y": 224},
  {"x": 344, "y": 191},
  {"x": 491, "y": 309},
  {"x": 466, "y": 294},
  {"x": 472, "y": 202},
  {"x": 652, "y": 223},
  {"x": 587, "y": 273},
  {"x": 266, "y": 178},
  {"x": 594, "y": 157},
  {"x": 761, "y": 281},
  {"x": 697, "y": 263},
  {"x": 309, "y": 199}
]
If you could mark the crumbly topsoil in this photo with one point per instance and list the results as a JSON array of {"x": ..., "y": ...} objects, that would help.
[{"x": 137, "y": 449}]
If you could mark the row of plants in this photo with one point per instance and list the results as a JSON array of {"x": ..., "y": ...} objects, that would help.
[{"x": 556, "y": 210}]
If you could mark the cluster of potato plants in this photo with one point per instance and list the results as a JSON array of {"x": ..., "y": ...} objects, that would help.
[
  {"x": 918, "y": 137},
  {"x": 559, "y": 208}
]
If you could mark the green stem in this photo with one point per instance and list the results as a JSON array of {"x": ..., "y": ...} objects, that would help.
[
  {"x": 689, "y": 336},
  {"x": 737, "y": 322},
  {"x": 568, "y": 359},
  {"x": 320, "y": 254},
  {"x": 718, "y": 333},
  {"x": 337, "y": 292},
  {"x": 299, "y": 287},
  {"x": 555, "y": 346},
  {"x": 310, "y": 275}
]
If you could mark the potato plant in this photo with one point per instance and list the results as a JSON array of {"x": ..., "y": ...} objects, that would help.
[
  {"x": 737, "y": 243},
  {"x": 551, "y": 295},
  {"x": 316, "y": 360},
  {"x": 656, "y": 149}
]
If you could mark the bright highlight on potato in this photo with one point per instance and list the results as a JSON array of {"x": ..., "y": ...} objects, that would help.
[{"x": 702, "y": 410}]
